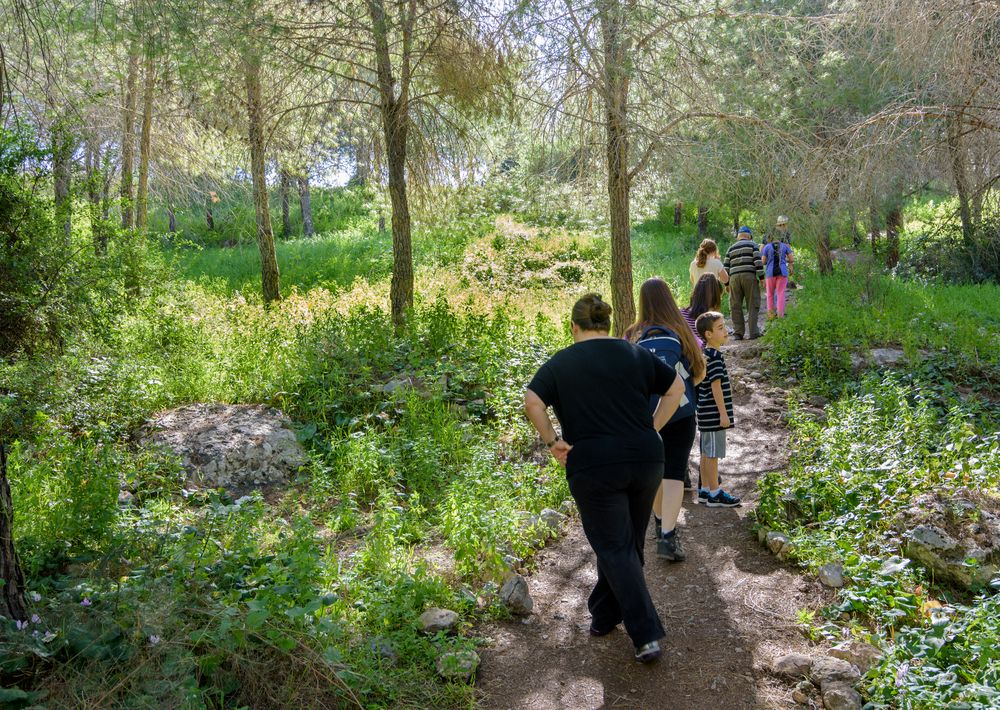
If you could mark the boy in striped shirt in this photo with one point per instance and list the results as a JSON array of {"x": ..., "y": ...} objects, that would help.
[{"x": 715, "y": 411}]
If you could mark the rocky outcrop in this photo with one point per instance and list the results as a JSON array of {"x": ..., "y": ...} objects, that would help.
[
  {"x": 955, "y": 535},
  {"x": 234, "y": 446}
]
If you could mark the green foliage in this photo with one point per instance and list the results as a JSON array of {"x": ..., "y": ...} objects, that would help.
[
  {"x": 855, "y": 310},
  {"x": 880, "y": 448}
]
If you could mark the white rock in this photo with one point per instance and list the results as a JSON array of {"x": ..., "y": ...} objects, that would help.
[
  {"x": 552, "y": 518},
  {"x": 776, "y": 541},
  {"x": 515, "y": 596},
  {"x": 232, "y": 446},
  {"x": 832, "y": 575},
  {"x": 793, "y": 665},
  {"x": 826, "y": 670},
  {"x": 435, "y": 619},
  {"x": 458, "y": 665},
  {"x": 861, "y": 654},
  {"x": 887, "y": 357},
  {"x": 841, "y": 696}
]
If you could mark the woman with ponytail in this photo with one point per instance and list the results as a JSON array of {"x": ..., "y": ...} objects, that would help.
[
  {"x": 600, "y": 388},
  {"x": 708, "y": 261},
  {"x": 662, "y": 330}
]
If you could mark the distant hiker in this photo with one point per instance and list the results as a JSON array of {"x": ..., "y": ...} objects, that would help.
[
  {"x": 600, "y": 389},
  {"x": 745, "y": 273},
  {"x": 706, "y": 296},
  {"x": 707, "y": 261},
  {"x": 715, "y": 412},
  {"x": 781, "y": 233},
  {"x": 661, "y": 329},
  {"x": 778, "y": 259}
]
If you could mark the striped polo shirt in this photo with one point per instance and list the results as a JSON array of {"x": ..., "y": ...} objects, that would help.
[
  {"x": 743, "y": 257},
  {"x": 708, "y": 411}
]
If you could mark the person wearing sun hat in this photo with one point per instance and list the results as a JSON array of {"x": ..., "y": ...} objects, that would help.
[
  {"x": 746, "y": 271},
  {"x": 780, "y": 233}
]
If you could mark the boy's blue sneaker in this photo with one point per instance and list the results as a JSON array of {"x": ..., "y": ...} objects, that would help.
[
  {"x": 722, "y": 500},
  {"x": 702, "y": 496}
]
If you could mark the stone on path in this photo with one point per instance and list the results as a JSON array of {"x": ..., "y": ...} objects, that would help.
[
  {"x": 514, "y": 594},
  {"x": 861, "y": 654},
  {"x": 803, "y": 689},
  {"x": 458, "y": 665},
  {"x": 827, "y": 670},
  {"x": 841, "y": 696},
  {"x": 794, "y": 665},
  {"x": 435, "y": 619},
  {"x": 552, "y": 518},
  {"x": 832, "y": 575},
  {"x": 776, "y": 541}
]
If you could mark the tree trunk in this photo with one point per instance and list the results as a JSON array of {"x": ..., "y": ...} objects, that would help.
[
  {"x": 128, "y": 141},
  {"x": 305, "y": 205},
  {"x": 15, "y": 606},
  {"x": 616, "y": 80},
  {"x": 893, "y": 223},
  {"x": 92, "y": 165},
  {"x": 678, "y": 213},
  {"x": 736, "y": 219},
  {"x": 265, "y": 237},
  {"x": 362, "y": 161},
  {"x": 876, "y": 227},
  {"x": 856, "y": 237},
  {"x": 955, "y": 152},
  {"x": 62, "y": 174},
  {"x": 395, "y": 114},
  {"x": 702, "y": 222},
  {"x": 171, "y": 220},
  {"x": 142, "y": 192},
  {"x": 209, "y": 218},
  {"x": 284, "y": 185}
]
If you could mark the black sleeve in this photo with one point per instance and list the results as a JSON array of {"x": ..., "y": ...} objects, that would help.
[
  {"x": 544, "y": 384},
  {"x": 663, "y": 376}
]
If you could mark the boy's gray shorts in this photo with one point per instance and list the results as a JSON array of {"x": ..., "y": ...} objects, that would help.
[{"x": 713, "y": 444}]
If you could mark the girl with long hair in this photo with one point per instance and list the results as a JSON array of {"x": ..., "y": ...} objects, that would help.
[
  {"x": 706, "y": 296},
  {"x": 662, "y": 330},
  {"x": 708, "y": 261}
]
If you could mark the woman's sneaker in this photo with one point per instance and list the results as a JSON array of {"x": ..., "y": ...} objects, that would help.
[
  {"x": 722, "y": 500},
  {"x": 702, "y": 496},
  {"x": 647, "y": 652},
  {"x": 669, "y": 548}
]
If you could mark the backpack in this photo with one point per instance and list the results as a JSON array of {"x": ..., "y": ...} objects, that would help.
[
  {"x": 648, "y": 341},
  {"x": 774, "y": 266}
]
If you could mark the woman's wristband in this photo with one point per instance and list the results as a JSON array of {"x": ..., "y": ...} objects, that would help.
[{"x": 550, "y": 444}]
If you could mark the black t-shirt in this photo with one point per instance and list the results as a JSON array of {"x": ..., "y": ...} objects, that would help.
[{"x": 600, "y": 390}]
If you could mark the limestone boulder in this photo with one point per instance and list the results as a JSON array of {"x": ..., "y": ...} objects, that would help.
[
  {"x": 955, "y": 534},
  {"x": 239, "y": 447}
]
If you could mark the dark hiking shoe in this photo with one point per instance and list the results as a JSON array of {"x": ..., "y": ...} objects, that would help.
[
  {"x": 722, "y": 500},
  {"x": 647, "y": 652},
  {"x": 669, "y": 548},
  {"x": 599, "y": 631},
  {"x": 702, "y": 496}
]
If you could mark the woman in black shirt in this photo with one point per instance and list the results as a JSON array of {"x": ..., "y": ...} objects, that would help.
[{"x": 600, "y": 388}]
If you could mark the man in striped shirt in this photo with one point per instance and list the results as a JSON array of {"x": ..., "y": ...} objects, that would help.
[{"x": 746, "y": 271}]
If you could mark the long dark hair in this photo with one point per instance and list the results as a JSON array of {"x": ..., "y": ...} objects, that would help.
[
  {"x": 657, "y": 307},
  {"x": 706, "y": 296}
]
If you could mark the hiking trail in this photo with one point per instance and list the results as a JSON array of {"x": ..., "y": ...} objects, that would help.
[{"x": 729, "y": 610}]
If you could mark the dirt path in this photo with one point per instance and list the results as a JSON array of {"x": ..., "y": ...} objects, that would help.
[{"x": 729, "y": 610}]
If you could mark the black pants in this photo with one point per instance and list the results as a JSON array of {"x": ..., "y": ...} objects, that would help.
[
  {"x": 678, "y": 439},
  {"x": 614, "y": 504}
]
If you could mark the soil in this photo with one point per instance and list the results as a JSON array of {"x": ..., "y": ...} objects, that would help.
[{"x": 730, "y": 609}]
